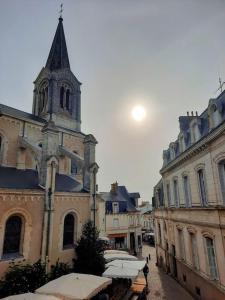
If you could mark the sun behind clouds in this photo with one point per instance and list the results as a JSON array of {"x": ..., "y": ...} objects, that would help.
[{"x": 138, "y": 113}]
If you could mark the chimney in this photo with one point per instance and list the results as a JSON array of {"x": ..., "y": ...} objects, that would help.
[
  {"x": 188, "y": 113},
  {"x": 114, "y": 187},
  {"x": 192, "y": 113}
]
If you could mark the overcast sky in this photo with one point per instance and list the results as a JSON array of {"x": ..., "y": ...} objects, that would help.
[{"x": 164, "y": 54}]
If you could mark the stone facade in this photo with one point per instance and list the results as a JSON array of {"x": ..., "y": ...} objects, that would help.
[
  {"x": 189, "y": 204},
  {"x": 122, "y": 218},
  {"x": 47, "y": 168}
]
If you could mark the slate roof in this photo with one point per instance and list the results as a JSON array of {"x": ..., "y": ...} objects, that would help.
[
  {"x": 7, "y": 110},
  {"x": 204, "y": 128},
  {"x": 126, "y": 202},
  {"x": 13, "y": 178},
  {"x": 58, "y": 56}
]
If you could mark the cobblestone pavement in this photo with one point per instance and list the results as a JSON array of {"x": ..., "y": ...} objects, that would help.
[{"x": 161, "y": 285}]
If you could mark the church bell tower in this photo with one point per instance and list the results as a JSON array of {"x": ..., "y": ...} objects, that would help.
[{"x": 56, "y": 89}]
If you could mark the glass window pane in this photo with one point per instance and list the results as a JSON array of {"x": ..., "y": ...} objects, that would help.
[{"x": 12, "y": 237}]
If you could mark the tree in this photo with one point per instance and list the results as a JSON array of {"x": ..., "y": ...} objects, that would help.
[
  {"x": 22, "y": 279},
  {"x": 89, "y": 252}
]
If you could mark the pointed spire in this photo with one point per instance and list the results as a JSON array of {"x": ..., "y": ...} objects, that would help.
[{"x": 58, "y": 56}]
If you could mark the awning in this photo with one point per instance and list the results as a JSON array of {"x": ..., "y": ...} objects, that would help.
[
  {"x": 115, "y": 251},
  {"x": 30, "y": 296},
  {"x": 121, "y": 272},
  {"x": 110, "y": 257},
  {"x": 115, "y": 235},
  {"x": 75, "y": 286},
  {"x": 136, "y": 264}
]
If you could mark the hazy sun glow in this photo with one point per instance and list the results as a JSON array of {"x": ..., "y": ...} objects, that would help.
[{"x": 138, "y": 113}]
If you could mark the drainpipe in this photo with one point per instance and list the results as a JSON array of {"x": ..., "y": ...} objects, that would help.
[{"x": 49, "y": 210}]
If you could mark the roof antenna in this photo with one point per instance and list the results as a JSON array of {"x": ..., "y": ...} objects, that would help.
[
  {"x": 221, "y": 84},
  {"x": 61, "y": 11}
]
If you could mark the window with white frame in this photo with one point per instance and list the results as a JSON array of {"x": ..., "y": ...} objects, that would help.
[
  {"x": 115, "y": 206},
  {"x": 115, "y": 222},
  {"x": 194, "y": 250},
  {"x": 187, "y": 191},
  {"x": 211, "y": 257},
  {"x": 168, "y": 194},
  {"x": 221, "y": 167},
  {"x": 176, "y": 192},
  {"x": 202, "y": 187},
  {"x": 181, "y": 244}
]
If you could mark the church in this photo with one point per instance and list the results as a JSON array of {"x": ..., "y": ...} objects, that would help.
[{"x": 47, "y": 168}]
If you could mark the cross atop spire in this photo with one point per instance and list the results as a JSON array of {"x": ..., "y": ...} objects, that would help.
[
  {"x": 58, "y": 55},
  {"x": 61, "y": 10}
]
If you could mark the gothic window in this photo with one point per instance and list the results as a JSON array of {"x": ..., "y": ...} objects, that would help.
[
  {"x": 43, "y": 98},
  {"x": 73, "y": 166},
  {"x": 211, "y": 257},
  {"x": 67, "y": 99},
  {"x": 202, "y": 187},
  {"x": 187, "y": 191},
  {"x": 62, "y": 97},
  {"x": 13, "y": 236},
  {"x": 222, "y": 178},
  {"x": 68, "y": 231}
]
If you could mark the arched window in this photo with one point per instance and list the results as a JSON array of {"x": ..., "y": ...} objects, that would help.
[
  {"x": 68, "y": 99},
  {"x": 62, "y": 97},
  {"x": 13, "y": 236},
  {"x": 68, "y": 231}
]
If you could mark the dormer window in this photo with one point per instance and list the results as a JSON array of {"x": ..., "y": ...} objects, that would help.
[
  {"x": 195, "y": 132},
  {"x": 214, "y": 116},
  {"x": 181, "y": 143},
  {"x": 194, "y": 128},
  {"x": 115, "y": 207},
  {"x": 172, "y": 151}
]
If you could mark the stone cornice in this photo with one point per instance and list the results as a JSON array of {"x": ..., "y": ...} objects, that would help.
[{"x": 195, "y": 149}]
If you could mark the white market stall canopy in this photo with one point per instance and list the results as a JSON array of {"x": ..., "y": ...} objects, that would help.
[
  {"x": 115, "y": 252},
  {"x": 121, "y": 272},
  {"x": 75, "y": 286},
  {"x": 30, "y": 296},
  {"x": 121, "y": 256},
  {"x": 136, "y": 264}
]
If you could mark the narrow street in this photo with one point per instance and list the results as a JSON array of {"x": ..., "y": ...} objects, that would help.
[{"x": 161, "y": 285}]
